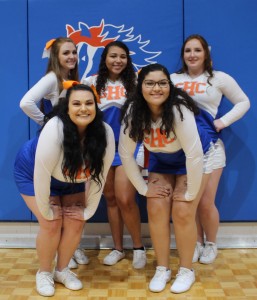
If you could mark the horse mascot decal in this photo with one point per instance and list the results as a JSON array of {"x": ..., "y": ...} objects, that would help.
[{"x": 90, "y": 39}]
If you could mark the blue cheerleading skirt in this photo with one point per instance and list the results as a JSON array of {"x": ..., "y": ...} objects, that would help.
[
  {"x": 47, "y": 106},
  {"x": 175, "y": 163},
  {"x": 167, "y": 163},
  {"x": 24, "y": 172},
  {"x": 205, "y": 121}
]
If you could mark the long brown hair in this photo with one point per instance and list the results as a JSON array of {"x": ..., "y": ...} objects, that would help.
[{"x": 207, "y": 62}]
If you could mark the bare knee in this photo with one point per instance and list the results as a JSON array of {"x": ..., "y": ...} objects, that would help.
[
  {"x": 73, "y": 225},
  {"x": 158, "y": 208},
  {"x": 182, "y": 213},
  {"x": 153, "y": 210},
  {"x": 125, "y": 202},
  {"x": 109, "y": 195},
  {"x": 52, "y": 228},
  {"x": 110, "y": 199},
  {"x": 206, "y": 208}
]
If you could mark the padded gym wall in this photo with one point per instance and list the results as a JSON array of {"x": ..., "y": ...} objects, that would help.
[
  {"x": 151, "y": 37},
  {"x": 230, "y": 28},
  {"x": 154, "y": 32},
  {"x": 14, "y": 83}
]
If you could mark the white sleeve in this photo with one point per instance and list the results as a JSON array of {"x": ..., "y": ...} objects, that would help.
[
  {"x": 126, "y": 151},
  {"x": 29, "y": 102},
  {"x": 95, "y": 191},
  {"x": 187, "y": 134},
  {"x": 47, "y": 156},
  {"x": 232, "y": 91}
]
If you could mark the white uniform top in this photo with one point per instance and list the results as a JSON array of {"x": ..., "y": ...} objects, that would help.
[
  {"x": 46, "y": 87},
  {"x": 186, "y": 138},
  {"x": 48, "y": 162},
  {"x": 113, "y": 95},
  {"x": 208, "y": 97},
  {"x": 110, "y": 102}
]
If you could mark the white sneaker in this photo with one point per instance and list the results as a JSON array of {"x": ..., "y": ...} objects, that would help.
[
  {"x": 68, "y": 279},
  {"x": 184, "y": 280},
  {"x": 139, "y": 259},
  {"x": 209, "y": 254},
  {"x": 161, "y": 277},
  {"x": 45, "y": 283},
  {"x": 198, "y": 252},
  {"x": 72, "y": 264},
  {"x": 113, "y": 257},
  {"x": 80, "y": 257}
]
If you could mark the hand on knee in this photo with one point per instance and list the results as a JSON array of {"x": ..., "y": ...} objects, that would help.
[{"x": 73, "y": 212}]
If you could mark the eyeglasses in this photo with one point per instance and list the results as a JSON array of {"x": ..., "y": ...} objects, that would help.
[{"x": 150, "y": 84}]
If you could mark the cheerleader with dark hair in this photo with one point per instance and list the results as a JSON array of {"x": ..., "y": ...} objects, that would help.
[{"x": 75, "y": 146}]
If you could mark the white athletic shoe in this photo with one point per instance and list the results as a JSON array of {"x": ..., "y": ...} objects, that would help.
[
  {"x": 209, "y": 254},
  {"x": 80, "y": 257},
  {"x": 198, "y": 252},
  {"x": 45, "y": 284},
  {"x": 113, "y": 257},
  {"x": 72, "y": 264},
  {"x": 139, "y": 259},
  {"x": 160, "y": 279},
  {"x": 184, "y": 280},
  {"x": 68, "y": 279}
]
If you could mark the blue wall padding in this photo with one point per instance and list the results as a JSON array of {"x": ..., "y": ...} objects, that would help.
[
  {"x": 154, "y": 32},
  {"x": 14, "y": 83},
  {"x": 230, "y": 28}
]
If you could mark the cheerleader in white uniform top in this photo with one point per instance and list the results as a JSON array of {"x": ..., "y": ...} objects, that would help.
[
  {"x": 207, "y": 87},
  {"x": 44, "y": 95},
  {"x": 50, "y": 172},
  {"x": 115, "y": 81},
  {"x": 180, "y": 163}
]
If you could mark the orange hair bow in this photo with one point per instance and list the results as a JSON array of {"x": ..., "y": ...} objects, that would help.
[
  {"x": 49, "y": 44},
  {"x": 69, "y": 83},
  {"x": 46, "y": 52}
]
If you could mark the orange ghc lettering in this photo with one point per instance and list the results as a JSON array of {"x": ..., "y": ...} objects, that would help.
[
  {"x": 158, "y": 139},
  {"x": 114, "y": 93},
  {"x": 192, "y": 88},
  {"x": 82, "y": 173}
]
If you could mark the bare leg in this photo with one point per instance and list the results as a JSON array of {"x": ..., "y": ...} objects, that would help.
[
  {"x": 159, "y": 211},
  {"x": 183, "y": 216},
  {"x": 48, "y": 237},
  {"x": 200, "y": 233},
  {"x": 71, "y": 230},
  {"x": 125, "y": 194},
  {"x": 207, "y": 210},
  {"x": 87, "y": 186},
  {"x": 113, "y": 211}
]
